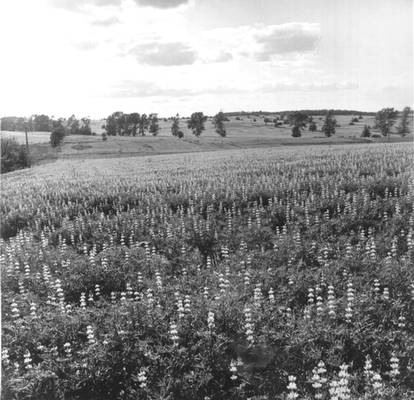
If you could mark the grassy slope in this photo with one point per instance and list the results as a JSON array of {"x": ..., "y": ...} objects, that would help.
[{"x": 241, "y": 134}]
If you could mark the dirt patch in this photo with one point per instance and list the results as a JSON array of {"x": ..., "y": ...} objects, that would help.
[{"x": 81, "y": 146}]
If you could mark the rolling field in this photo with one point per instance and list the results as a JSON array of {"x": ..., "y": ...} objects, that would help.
[
  {"x": 241, "y": 134},
  {"x": 258, "y": 274}
]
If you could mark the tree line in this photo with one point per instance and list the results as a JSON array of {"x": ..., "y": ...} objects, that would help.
[
  {"x": 385, "y": 120},
  {"x": 134, "y": 124},
  {"x": 44, "y": 123}
]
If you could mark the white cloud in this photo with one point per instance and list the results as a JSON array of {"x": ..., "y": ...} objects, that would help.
[{"x": 164, "y": 54}]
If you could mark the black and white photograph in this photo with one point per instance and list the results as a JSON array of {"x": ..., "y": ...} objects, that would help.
[{"x": 207, "y": 199}]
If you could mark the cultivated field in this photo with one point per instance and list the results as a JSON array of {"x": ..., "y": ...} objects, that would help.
[{"x": 253, "y": 274}]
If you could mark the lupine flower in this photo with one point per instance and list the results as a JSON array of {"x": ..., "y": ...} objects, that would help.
[
  {"x": 233, "y": 370},
  {"x": 292, "y": 388},
  {"x": 174, "y": 334},
  {"x": 27, "y": 360},
  {"x": 210, "y": 321},
  {"x": 142, "y": 379},
  {"x": 90, "y": 334},
  {"x": 395, "y": 366}
]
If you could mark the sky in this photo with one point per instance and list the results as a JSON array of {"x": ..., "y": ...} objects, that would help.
[{"x": 94, "y": 57}]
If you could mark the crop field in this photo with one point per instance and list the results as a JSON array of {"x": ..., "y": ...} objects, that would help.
[{"x": 284, "y": 273}]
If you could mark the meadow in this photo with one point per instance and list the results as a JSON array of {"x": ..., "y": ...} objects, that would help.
[
  {"x": 281, "y": 273},
  {"x": 242, "y": 133}
]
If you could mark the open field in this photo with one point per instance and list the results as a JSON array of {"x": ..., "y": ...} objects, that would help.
[
  {"x": 222, "y": 275},
  {"x": 241, "y": 134}
]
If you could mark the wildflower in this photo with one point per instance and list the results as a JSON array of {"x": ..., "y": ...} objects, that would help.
[
  {"x": 90, "y": 334},
  {"x": 27, "y": 360},
  {"x": 233, "y": 370},
  {"x": 293, "y": 394},
  {"x": 210, "y": 321},
  {"x": 271, "y": 296},
  {"x": 248, "y": 325},
  {"x": 142, "y": 379},
  {"x": 15, "y": 313},
  {"x": 67, "y": 349},
  {"x": 174, "y": 334},
  {"x": 5, "y": 356},
  {"x": 395, "y": 365},
  {"x": 83, "y": 300}
]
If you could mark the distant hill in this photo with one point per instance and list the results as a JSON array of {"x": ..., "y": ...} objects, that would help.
[{"x": 309, "y": 112}]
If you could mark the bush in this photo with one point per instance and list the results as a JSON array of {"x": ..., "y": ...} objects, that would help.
[
  {"x": 104, "y": 136},
  {"x": 13, "y": 155},
  {"x": 366, "y": 132},
  {"x": 56, "y": 137}
]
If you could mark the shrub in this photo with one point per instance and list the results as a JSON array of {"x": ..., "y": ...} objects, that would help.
[
  {"x": 56, "y": 137},
  {"x": 13, "y": 155},
  {"x": 366, "y": 132}
]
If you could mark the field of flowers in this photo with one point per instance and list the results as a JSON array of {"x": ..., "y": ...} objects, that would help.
[{"x": 271, "y": 274}]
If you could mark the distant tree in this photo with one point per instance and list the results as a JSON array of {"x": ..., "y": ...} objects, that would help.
[
  {"x": 329, "y": 124},
  {"x": 85, "y": 127},
  {"x": 366, "y": 131},
  {"x": 41, "y": 123},
  {"x": 403, "y": 127},
  {"x": 360, "y": 117},
  {"x": 267, "y": 120},
  {"x": 73, "y": 125},
  {"x": 298, "y": 121},
  {"x": 104, "y": 136},
  {"x": 153, "y": 124},
  {"x": 218, "y": 122},
  {"x": 196, "y": 123},
  {"x": 143, "y": 124},
  {"x": 133, "y": 122},
  {"x": 175, "y": 127},
  {"x": 385, "y": 119},
  {"x": 110, "y": 125},
  {"x": 313, "y": 127},
  {"x": 57, "y": 135}
]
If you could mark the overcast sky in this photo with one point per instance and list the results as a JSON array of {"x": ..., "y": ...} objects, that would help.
[{"x": 93, "y": 57}]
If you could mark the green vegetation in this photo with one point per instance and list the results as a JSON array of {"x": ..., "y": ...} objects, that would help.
[
  {"x": 152, "y": 278},
  {"x": 13, "y": 155}
]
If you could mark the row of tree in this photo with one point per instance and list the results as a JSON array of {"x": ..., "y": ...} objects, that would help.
[
  {"x": 385, "y": 119},
  {"x": 44, "y": 123},
  {"x": 121, "y": 124}
]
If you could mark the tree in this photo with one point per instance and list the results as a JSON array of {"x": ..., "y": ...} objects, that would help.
[
  {"x": 143, "y": 124},
  {"x": 298, "y": 121},
  {"x": 313, "y": 127},
  {"x": 133, "y": 122},
  {"x": 267, "y": 120},
  {"x": 175, "y": 127},
  {"x": 110, "y": 126},
  {"x": 73, "y": 125},
  {"x": 218, "y": 122},
  {"x": 85, "y": 128},
  {"x": 385, "y": 119},
  {"x": 329, "y": 124},
  {"x": 153, "y": 124},
  {"x": 57, "y": 135},
  {"x": 366, "y": 131},
  {"x": 403, "y": 127},
  {"x": 196, "y": 123}
]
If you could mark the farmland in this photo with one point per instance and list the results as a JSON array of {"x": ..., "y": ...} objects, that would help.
[{"x": 276, "y": 273}]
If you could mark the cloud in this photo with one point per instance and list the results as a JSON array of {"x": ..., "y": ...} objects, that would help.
[
  {"x": 79, "y": 5},
  {"x": 164, "y": 54},
  {"x": 106, "y": 22},
  {"x": 286, "y": 38},
  {"x": 309, "y": 87},
  {"x": 161, "y": 3},
  {"x": 131, "y": 88},
  {"x": 86, "y": 45}
]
